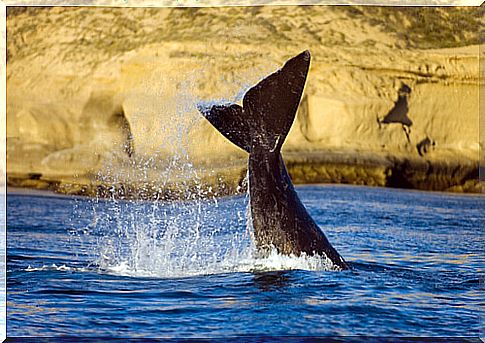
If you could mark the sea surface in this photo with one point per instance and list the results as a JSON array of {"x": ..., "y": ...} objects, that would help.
[{"x": 111, "y": 268}]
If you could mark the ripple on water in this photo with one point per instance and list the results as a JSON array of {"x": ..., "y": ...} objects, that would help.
[{"x": 141, "y": 269}]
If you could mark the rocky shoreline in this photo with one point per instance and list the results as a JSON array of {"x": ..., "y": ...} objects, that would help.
[{"x": 303, "y": 169}]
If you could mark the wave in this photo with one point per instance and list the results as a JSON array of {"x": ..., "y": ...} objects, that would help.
[
  {"x": 273, "y": 262},
  {"x": 54, "y": 267}
]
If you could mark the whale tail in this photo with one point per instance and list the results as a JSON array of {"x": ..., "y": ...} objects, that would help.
[{"x": 268, "y": 111}]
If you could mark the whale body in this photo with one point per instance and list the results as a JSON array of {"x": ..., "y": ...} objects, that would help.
[{"x": 259, "y": 127}]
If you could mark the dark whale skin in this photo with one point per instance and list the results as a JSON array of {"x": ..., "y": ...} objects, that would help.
[{"x": 279, "y": 219}]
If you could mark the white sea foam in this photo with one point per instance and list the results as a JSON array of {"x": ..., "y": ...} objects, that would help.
[
  {"x": 54, "y": 267},
  {"x": 273, "y": 262}
]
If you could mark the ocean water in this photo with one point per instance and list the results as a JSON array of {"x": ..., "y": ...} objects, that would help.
[{"x": 108, "y": 268}]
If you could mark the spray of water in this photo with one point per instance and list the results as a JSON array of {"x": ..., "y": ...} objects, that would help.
[{"x": 195, "y": 235}]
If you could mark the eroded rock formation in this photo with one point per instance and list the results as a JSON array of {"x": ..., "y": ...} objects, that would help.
[{"x": 103, "y": 99}]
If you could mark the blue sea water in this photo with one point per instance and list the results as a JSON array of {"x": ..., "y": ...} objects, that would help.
[{"x": 90, "y": 267}]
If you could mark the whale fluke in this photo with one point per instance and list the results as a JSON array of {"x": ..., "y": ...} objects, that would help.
[
  {"x": 268, "y": 110},
  {"x": 260, "y": 128}
]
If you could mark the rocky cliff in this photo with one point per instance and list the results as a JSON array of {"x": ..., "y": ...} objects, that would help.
[{"x": 102, "y": 100}]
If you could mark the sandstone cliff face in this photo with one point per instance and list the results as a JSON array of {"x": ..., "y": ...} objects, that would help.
[{"x": 107, "y": 96}]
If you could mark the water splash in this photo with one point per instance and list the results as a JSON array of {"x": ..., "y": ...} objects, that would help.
[
  {"x": 171, "y": 239},
  {"x": 184, "y": 238},
  {"x": 195, "y": 235}
]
